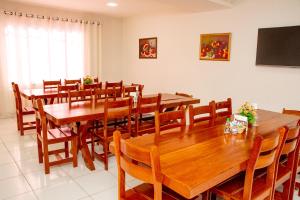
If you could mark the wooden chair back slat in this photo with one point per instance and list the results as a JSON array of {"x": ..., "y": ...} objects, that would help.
[
  {"x": 92, "y": 86},
  {"x": 17, "y": 96},
  {"x": 291, "y": 140},
  {"x": 72, "y": 81},
  {"x": 51, "y": 84},
  {"x": 135, "y": 153},
  {"x": 291, "y": 112},
  {"x": 96, "y": 80}
]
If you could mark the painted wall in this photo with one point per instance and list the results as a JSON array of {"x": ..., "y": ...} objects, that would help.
[
  {"x": 178, "y": 67},
  {"x": 111, "y": 33}
]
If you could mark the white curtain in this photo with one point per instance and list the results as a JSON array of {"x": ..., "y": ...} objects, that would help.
[{"x": 33, "y": 50}]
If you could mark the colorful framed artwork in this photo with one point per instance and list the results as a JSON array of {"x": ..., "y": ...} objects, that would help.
[
  {"x": 215, "y": 46},
  {"x": 148, "y": 48}
]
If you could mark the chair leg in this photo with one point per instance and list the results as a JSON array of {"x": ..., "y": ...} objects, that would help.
[
  {"x": 40, "y": 150},
  {"x": 67, "y": 149},
  {"x": 74, "y": 152},
  {"x": 105, "y": 149},
  {"x": 21, "y": 124},
  {"x": 93, "y": 146},
  {"x": 18, "y": 121},
  {"x": 46, "y": 158}
]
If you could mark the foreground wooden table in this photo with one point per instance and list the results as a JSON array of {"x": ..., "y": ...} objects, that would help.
[
  {"x": 194, "y": 160},
  {"x": 61, "y": 114}
]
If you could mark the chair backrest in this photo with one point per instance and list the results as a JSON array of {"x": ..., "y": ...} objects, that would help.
[
  {"x": 139, "y": 163},
  {"x": 146, "y": 105},
  {"x": 72, "y": 81},
  {"x": 127, "y": 91},
  {"x": 202, "y": 116},
  {"x": 81, "y": 95},
  {"x": 41, "y": 116},
  {"x": 291, "y": 112},
  {"x": 139, "y": 86},
  {"x": 265, "y": 153},
  {"x": 63, "y": 91},
  {"x": 169, "y": 120},
  {"x": 17, "y": 96},
  {"x": 117, "y": 109},
  {"x": 51, "y": 84},
  {"x": 92, "y": 86},
  {"x": 109, "y": 93},
  {"x": 96, "y": 80},
  {"x": 118, "y": 86},
  {"x": 223, "y": 110}
]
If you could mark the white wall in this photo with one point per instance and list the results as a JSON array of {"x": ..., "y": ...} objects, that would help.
[
  {"x": 178, "y": 67},
  {"x": 111, "y": 33}
]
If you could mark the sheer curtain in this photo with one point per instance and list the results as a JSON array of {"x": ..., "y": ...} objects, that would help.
[{"x": 34, "y": 49}]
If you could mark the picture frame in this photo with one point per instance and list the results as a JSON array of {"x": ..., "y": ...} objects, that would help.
[
  {"x": 215, "y": 46},
  {"x": 148, "y": 48}
]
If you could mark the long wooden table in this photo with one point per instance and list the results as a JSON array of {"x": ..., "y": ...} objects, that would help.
[
  {"x": 61, "y": 114},
  {"x": 45, "y": 94},
  {"x": 194, "y": 160}
]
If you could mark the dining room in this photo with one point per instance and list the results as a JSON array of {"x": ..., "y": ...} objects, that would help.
[{"x": 149, "y": 99}]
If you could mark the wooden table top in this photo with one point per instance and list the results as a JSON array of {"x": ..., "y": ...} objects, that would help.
[
  {"x": 194, "y": 160},
  {"x": 83, "y": 111}
]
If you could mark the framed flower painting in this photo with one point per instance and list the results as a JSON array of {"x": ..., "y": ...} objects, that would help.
[
  {"x": 148, "y": 48},
  {"x": 215, "y": 46}
]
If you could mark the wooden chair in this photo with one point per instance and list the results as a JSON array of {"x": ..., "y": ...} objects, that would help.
[
  {"x": 287, "y": 168},
  {"x": 109, "y": 93},
  {"x": 143, "y": 165},
  {"x": 140, "y": 87},
  {"x": 118, "y": 86},
  {"x": 202, "y": 116},
  {"x": 144, "y": 117},
  {"x": 113, "y": 110},
  {"x": 50, "y": 85},
  {"x": 93, "y": 86},
  {"x": 169, "y": 120},
  {"x": 223, "y": 111},
  {"x": 81, "y": 95},
  {"x": 294, "y": 184},
  {"x": 72, "y": 81},
  {"x": 22, "y": 111},
  {"x": 63, "y": 90},
  {"x": 96, "y": 80},
  {"x": 264, "y": 155},
  {"x": 46, "y": 137}
]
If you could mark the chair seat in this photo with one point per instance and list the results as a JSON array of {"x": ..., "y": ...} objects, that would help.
[
  {"x": 60, "y": 135},
  {"x": 145, "y": 191},
  {"x": 234, "y": 188}
]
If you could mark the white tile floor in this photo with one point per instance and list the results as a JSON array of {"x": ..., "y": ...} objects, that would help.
[{"x": 23, "y": 178}]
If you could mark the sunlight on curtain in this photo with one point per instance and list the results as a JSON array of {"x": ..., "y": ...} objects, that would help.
[
  {"x": 33, "y": 50},
  {"x": 34, "y": 54}
]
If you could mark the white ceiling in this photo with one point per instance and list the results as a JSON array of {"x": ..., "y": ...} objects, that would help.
[{"x": 129, "y": 8}]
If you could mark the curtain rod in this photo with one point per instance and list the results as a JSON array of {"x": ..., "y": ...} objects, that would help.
[{"x": 63, "y": 19}]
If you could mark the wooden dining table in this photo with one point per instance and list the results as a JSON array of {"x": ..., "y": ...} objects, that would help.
[
  {"x": 194, "y": 160},
  {"x": 61, "y": 114}
]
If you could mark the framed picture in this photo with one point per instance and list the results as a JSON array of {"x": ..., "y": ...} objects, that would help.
[
  {"x": 148, "y": 48},
  {"x": 215, "y": 46}
]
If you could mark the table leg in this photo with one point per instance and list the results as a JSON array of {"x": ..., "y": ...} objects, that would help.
[{"x": 84, "y": 148}]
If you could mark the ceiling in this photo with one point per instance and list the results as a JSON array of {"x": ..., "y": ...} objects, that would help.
[{"x": 128, "y": 8}]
